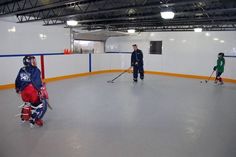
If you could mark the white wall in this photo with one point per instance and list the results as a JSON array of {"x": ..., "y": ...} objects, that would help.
[
  {"x": 197, "y": 55},
  {"x": 110, "y": 61},
  {"x": 58, "y": 65},
  {"x": 182, "y": 52},
  {"x": 26, "y": 38},
  {"x": 9, "y": 68},
  {"x": 66, "y": 65},
  {"x": 61, "y": 65}
]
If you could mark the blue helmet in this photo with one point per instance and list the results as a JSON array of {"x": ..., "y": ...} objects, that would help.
[{"x": 27, "y": 60}]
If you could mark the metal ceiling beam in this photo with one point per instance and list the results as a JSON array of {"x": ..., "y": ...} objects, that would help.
[
  {"x": 190, "y": 24},
  {"x": 184, "y": 29},
  {"x": 64, "y": 14},
  {"x": 9, "y": 2},
  {"x": 136, "y": 24},
  {"x": 178, "y": 28},
  {"x": 9, "y": 8},
  {"x": 126, "y": 24},
  {"x": 107, "y": 14},
  {"x": 157, "y": 17},
  {"x": 148, "y": 16},
  {"x": 222, "y": 27},
  {"x": 37, "y": 7},
  {"x": 54, "y": 13}
]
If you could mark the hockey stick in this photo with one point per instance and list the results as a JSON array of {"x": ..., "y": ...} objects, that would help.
[
  {"x": 112, "y": 81},
  {"x": 210, "y": 76},
  {"x": 46, "y": 102}
]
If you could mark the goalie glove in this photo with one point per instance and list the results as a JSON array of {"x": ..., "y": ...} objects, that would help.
[{"x": 43, "y": 92}]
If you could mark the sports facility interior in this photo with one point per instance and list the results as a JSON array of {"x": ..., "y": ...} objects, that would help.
[{"x": 99, "y": 104}]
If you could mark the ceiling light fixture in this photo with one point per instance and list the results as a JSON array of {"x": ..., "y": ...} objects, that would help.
[
  {"x": 42, "y": 36},
  {"x": 207, "y": 34},
  {"x": 13, "y": 29},
  {"x": 197, "y": 30},
  {"x": 71, "y": 22},
  {"x": 167, "y": 14},
  {"x": 131, "y": 30}
]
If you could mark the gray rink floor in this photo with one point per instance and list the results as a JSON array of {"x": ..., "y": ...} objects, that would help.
[{"x": 159, "y": 117}]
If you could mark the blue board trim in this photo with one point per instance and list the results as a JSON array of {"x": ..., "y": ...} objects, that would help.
[
  {"x": 231, "y": 56},
  {"x": 90, "y": 62}
]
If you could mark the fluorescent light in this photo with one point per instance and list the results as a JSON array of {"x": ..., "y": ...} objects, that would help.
[
  {"x": 222, "y": 41},
  {"x": 42, "y": 36},
  {"x": 13, "y": 29},
  {"x": 207, "y": 34},
  {"x": 215, "y": 39},
  {"x": 172, "y": 39},
  {"x": 84, "y": 42},
  {"x": 152, "y": 34},
  {"x": 197, "y": 30},
  {"x": 131, "y": 31},
  {"x": 167, "y": 14},
  {"x": 72, "y": 23}
]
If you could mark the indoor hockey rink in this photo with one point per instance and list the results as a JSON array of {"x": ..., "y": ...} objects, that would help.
[{"x": 98, "y": 110}]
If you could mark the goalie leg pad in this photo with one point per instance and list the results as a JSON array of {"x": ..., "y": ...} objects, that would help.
[{"x": 26, "y": 113}]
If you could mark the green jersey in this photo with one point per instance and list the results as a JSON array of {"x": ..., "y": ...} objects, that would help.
[{"x": 220, "y": 65}]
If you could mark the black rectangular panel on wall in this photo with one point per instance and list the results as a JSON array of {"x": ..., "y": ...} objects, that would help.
[{"x": 156, "y": 47}]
